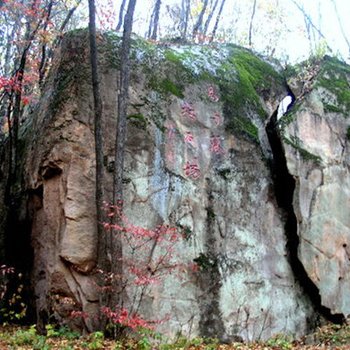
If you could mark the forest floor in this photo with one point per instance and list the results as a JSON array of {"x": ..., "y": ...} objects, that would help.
[{"x": 23, "y": 338}]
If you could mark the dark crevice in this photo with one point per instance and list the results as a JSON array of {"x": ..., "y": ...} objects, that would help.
[
  {"x": 284, "y": 186},
  {"x": 209, "y": 279},
  {"x": 19, "y": 255}
]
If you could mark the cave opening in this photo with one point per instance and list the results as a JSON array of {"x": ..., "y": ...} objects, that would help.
[{"x": 284, "y": 186}]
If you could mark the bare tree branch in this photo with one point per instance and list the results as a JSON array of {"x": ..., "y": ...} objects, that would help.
[
  {"x": 50, "y": 52},
  {"x": 309, "y": 20},
  {"x": 341, "y": 25},
  {"x": 154, "y": 22},
  {"x": 185, "y": 14},
  {"x": 217, "y": 21},
  {"x": 44, "y": 46},
  {"x": 121, "y": 12},
  {"x": 198, "y": 26},
  {"x": 210, "y": 16}
]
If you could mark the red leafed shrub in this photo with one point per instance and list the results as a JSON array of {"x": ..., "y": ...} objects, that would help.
[
  {"x": 149, "y": 256},
  {"x": 123, "y": 318}
]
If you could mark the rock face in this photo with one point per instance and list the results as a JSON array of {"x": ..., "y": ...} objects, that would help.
[
  {"x": 198, "y": 159},
  {"x": 316, "y": 141}
]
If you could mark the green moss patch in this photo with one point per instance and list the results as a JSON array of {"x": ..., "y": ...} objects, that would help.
[
  {"x": 334, "y": 76},
  {"x": 166, "y": 86},
  {"x": 242, "y": 77},
  {"x": 138, "y": 120},
  {"x": 206, "y": 262},
  {"x": 329, "y": 108},
  {"x": 306, "y": 155}
]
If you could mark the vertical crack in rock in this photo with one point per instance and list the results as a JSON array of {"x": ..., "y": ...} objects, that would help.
[
  {"x": 284, "y": 185},
  {"x": 210, "y": 324}
]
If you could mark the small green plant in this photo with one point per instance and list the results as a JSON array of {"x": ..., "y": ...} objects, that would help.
[
  {"x": 96, "y": 341},
  {"x": 146, "y": 338},
  {"x": 25, "y": 337},
  {"x": 196, "y": 342},
  {"x": 296, "y": 143},
  {"x": 186, "y": 231},
  {"x": 280, "y": 341},
  {"x": 62, "y": 332},
  {"x": 210, "y": 213},
  {"x": 51, "y": 332},
  {"x": 29, "y": 337},
  {"x": 67, "y": 333},
  {"x": 211, "y": 343},
  {"x": 206, "y": 262},
  {"x": 183, "y": 342},
  {"x": 144, "y": 343},
  {"x": 334, "y": 335},
  {"x": 118, "y": 345},
  {"x": 224, "y": 173}
]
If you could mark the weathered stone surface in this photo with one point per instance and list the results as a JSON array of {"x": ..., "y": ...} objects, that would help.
[
  {"x": 245, "y": 286},
  {"x": 317, "y": 150},
  {"x": 197, "y": 158}
]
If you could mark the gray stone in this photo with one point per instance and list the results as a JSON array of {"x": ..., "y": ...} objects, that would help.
[{"x": 206, "y": 173}]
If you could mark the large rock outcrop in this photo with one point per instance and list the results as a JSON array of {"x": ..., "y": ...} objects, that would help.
[
  {"x": 197, "y": 158},
  {"x": 316, "y": 142}
]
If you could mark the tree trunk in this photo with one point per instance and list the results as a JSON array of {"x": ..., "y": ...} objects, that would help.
[
  {"x": 123, "y": 97},
  {"x": 99, "y": 195},
  {"x": 17, "y": 111},
  {"x": 5, "y": 98},
  {"x": 210, "y": 16},
  {"x": 185, "y": 11},
  {"x": 217, "y": 21},
  {"x": 198, "y": 26},
  {"x": 154, "y": 23},
  {"x": 250, "y": 35},
  {"x": 56, "y": 43},
  {"x": 44, "y": 47},
  {"x": 120, "y": 20},
  {"x": 8, "y": 53}
]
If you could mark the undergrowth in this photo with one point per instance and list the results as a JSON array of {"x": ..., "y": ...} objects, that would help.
[{"x": 327, "y": 337}]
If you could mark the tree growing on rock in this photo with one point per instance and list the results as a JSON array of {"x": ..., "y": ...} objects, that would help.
[
  {"x": 116, "y": 251},
  {"x": 102, "y": 262},
  {"x": 110, "y": 251}
]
